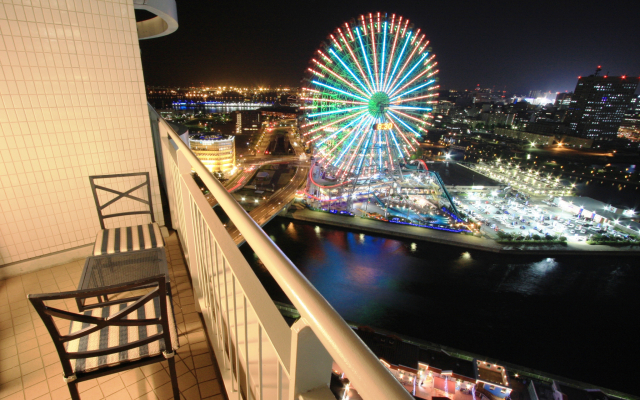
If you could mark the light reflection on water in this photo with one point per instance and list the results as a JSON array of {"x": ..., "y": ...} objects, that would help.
[{"x": 540, "y": 312}]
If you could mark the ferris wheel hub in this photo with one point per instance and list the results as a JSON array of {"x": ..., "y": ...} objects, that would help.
[{"x": 378, "y": 103}]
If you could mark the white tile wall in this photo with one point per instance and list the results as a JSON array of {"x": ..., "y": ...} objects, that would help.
[{"x": 72, "y": 104}]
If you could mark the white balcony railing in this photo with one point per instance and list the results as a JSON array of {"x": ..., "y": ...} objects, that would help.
[{"x": 246, "y": 330}]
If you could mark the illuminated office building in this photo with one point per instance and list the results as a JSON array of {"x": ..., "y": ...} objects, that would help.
[{"x": 599, "y": 104}]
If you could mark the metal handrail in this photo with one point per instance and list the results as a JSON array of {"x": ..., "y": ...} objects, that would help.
[{"x": 365, "y": 371}]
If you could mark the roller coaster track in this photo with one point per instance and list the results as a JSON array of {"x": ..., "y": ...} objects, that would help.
[{"x": 446, "y": 193}]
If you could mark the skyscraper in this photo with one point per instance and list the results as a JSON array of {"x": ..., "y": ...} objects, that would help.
[
  {"x": 630, "y": 126},
  {"x": 598, "y": 105}
]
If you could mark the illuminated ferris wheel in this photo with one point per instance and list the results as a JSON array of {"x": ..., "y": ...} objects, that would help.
[{"x": 368, "y": 92}]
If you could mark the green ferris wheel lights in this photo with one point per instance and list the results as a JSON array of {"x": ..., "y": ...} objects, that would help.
[{"x": 378, "y": 104}]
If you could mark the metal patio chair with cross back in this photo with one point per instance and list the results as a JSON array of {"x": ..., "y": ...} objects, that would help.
[
  {"x": 127, "y": 238},
  {"x": 131, "y": 333}
]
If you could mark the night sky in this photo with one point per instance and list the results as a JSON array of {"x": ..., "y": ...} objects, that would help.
[{"x": 515, "y": 46}]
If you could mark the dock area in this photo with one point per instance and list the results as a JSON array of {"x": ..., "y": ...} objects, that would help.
[{"x": 449, "y": 238}]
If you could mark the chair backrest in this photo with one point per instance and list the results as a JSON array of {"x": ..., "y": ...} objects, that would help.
[
  {"x": 156, "y": 293},
  {"x": 121, "y": 195}
]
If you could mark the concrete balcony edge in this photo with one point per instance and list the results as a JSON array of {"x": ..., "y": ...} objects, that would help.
[{"x": 165, "y": 23}]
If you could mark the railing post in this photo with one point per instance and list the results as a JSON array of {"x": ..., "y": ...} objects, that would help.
[
  {"x": 310, "y": 361},
  {"x": 165, "y": 144},
  {"x": 184, "y": 168}
]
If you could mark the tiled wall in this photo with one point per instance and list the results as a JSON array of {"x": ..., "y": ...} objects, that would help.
[{"x": 72, "y": 104}]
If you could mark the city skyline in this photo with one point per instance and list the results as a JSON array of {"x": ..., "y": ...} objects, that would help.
[
  {"x": 493, "y": 46},
  {"x": 485, "y": 258}
]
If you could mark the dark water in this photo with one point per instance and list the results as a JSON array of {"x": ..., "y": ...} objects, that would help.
[{"x": 572, "y": 316}]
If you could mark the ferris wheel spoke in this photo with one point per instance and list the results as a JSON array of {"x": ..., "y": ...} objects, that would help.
[
  {"x": 417, "y": 98},
  {"x": 393, "y": 48},
  {"x": 425, "y": 71},
  {"x": 402, "y": 133},
  {"x": 380, "y": 134},
  {"x": 364, "y": 55},
  {"x": 401, "y": 153},
  {"x": 407, "y": 39},
  {"x": 356, "y": 133},
  {"x": 408, "y": 84},
  {"x": 363, "y": 129},
  {"x": 392, "y": 99},
  {"x": 374, "y": 51},
  {"x": 345, "y": 166},
  {"x": 330, "y": 124},
  {"x": 356, "y": 120},
  {"x": 342, "y": 110},
  {"x": 349, "y": 69},
  {"x": 408, "y": 116},
  {"x": 389, "y": 150},
  {"x": 418, "y": 127},
  {"x": 339, "y": 90},
  {"x": 322, "y": 100},
  {"x": 332, "y": 150},
  {"x": 335, "y": 74},
  {"x": 354, "y": 58},
  {"x": 408, "y": 74},
  {"x": 384, "y": 52},
  {"x": 404, "y": 66},
  {"x": 394, "y": 107},
  {"x": 407, "y": 126},
  {"x": 364, "y": 151}
]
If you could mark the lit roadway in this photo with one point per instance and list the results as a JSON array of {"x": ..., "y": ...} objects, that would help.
[
  {"x": 239, "y": 180},
  {"x": 283, "y": 196},
  {"x": 279, "y": 199},
  {"x": 274, "y": 204}
]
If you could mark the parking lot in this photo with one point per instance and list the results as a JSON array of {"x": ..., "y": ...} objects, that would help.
[{"x": 535, "y": 217}]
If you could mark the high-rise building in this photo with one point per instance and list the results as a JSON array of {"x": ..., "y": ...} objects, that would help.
[
  {"x": 247, "y": 120},
  {"x": 599, "y": 104},
  {"x": 630, "y": 126}
]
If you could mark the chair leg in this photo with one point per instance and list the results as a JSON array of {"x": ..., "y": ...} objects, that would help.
[
  {"x": 174, "y": 378},
  {"x": 73, "y": 390}
]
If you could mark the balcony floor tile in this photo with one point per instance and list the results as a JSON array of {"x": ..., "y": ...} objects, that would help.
[{"x": 30, "y": 367}]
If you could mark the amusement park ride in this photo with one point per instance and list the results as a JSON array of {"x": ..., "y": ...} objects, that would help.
[{"x": 368, "y": 94}]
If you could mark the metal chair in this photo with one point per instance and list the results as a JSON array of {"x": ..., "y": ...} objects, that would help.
[
  {"x": 102, "y": 341},
  {"x": 128, "y": 238}
]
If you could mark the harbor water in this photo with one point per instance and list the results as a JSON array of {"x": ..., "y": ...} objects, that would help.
[{"x": 572, "y": 315}]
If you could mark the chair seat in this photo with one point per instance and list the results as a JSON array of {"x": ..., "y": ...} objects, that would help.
[
  {"x": 128, "y": 238},
  {"x": 114, "y": 336}
]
